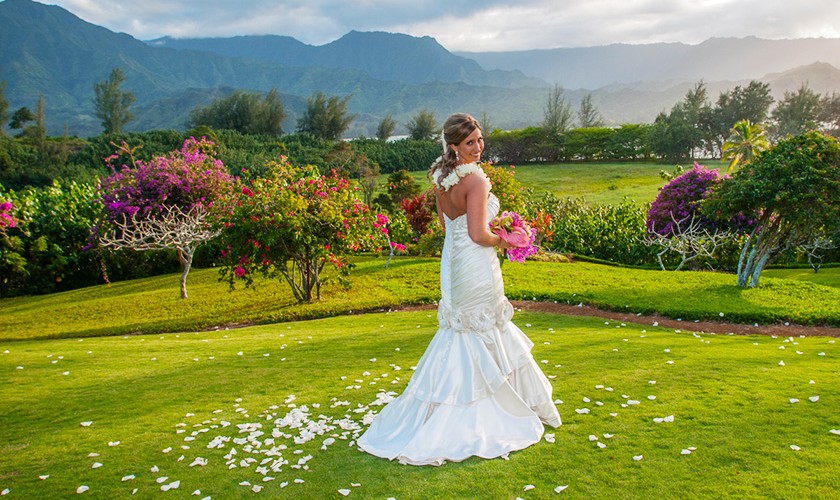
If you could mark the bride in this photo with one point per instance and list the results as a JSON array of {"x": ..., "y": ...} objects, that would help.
[{"x": 477, "y": 390}]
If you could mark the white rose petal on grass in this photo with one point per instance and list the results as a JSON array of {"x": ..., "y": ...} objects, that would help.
[
  {"x": 608, "y": 436},
  {"x": 781, "y": 363},
  {"x": 344, "y": 492},
  {"x": 814, "y": 399},
  {"x": 81, "y": 489},
  {"x": 113, "y": 443},
  {"x": 96, "y": 465},
  {"x": 601, "y": 445},
  {"x": 794, "y": 447},
  {"x": 794, "y": 400},
  {"x": 127, "y": 478},
  {"x": 86, "y": 424},
  {"x": 593, "y": 437},
  {"x": 528, "y": 487},
  {"x": 638, "y": 458},
  {"x": 44, "y": 477},
  {"x": 685, "y": 452},
  {"x": 161, "y": 479},
  {"x": 549, "y": 438},
  {"x": 582, "y": 411},
  {"x": 836, "y": 432},
  {"x": 5, "y": 491}
]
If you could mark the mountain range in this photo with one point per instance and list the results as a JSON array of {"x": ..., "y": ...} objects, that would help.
[{"x": 45, "y": 49}]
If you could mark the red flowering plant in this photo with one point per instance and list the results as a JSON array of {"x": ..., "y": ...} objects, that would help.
[
  {"x": 167, "y": 202},
  {"x": 293, "y": 222}
]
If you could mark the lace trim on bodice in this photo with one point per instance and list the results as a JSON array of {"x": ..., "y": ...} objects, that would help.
[{"x": 475, "y": 320}]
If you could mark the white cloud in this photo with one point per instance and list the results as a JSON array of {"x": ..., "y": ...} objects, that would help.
[{"x": 492, "y": 25}]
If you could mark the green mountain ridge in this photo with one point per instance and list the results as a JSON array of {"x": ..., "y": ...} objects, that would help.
[{"x": 45, "y": 49}]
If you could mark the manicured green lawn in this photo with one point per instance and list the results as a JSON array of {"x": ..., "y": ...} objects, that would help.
[
  {"x": 596, "y": 183},
  {"x": 155, "y": 402},
  {"x": 154, "y": 305}
]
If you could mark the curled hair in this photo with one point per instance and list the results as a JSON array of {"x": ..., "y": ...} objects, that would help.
[{"x": 456, "y": 128}]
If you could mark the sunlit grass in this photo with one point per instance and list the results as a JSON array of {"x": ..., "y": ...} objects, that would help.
[
  {"x": 729, "y": 395},
  {"x": 595, "y": 183},
  {"x": 154, "y": 305}
]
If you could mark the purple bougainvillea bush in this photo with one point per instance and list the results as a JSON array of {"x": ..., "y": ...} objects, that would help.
[
  {"x": 186, "y": 178},
  {"x": 679, "y": 200}
]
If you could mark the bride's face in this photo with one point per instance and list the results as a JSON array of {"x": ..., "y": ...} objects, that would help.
[{"x": 469, "y": 150}]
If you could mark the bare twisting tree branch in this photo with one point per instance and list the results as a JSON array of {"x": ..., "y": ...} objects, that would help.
[{"x": 170, "y": 228}]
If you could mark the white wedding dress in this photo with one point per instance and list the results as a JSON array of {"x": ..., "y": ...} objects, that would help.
[{"x": 477, "y": 390}]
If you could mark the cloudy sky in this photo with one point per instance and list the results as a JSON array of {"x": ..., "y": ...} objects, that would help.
[{"x": 489, "y": 25}]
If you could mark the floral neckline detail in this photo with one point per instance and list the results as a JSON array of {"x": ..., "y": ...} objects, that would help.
[{"x": 459, "y": 172}]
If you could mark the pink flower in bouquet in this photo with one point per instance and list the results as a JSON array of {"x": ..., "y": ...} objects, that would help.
[{"x": 516, "y": 232}]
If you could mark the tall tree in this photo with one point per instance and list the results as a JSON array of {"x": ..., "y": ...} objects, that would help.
[
  {"x": 797, "y": 112},
  {"x": 111, "y": 103},
  {"x": 588, "y": 115},
  {"x": 325, "y": 118},
  {"x": 679, "y": 134},
  {"x": 557, "y": 116},
  {"x": 248, "y": 113},
  {"x": 4, "y": 108},
  {"x": 423, "y": 126},
  {"x": 829, "y": 115},
  {"x": 789, "y": 192},
  {"x": 386, "y": 128},
  {"x": 486, "y": 122},
  {"x": 741, "y": 103},
  {"x": 41, "y": 128},
  {"x": 745, "y": 141},
  {"x": 20, "y": 118}
]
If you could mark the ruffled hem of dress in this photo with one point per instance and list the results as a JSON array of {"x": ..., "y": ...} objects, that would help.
[{"x": 415, "y": 432}]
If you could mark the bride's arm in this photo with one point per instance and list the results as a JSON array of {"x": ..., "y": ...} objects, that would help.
[{"x": 477, "y": 190}]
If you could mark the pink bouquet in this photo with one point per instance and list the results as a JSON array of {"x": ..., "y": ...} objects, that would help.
[{"x": 516, "y": 232}]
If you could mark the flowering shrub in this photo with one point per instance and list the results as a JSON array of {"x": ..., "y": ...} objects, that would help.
[
  {"x": 6, "y": 218},
  {"x": 293, "y": 222},
  {"x": 679, "y": 200},
  {"x": 165, "y": 203},
  {"x": 185, "y": 178},
  {"x": 505, "y": 186}
]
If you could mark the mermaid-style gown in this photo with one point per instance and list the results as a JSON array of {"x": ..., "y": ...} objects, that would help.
[{"x": 477, "y": 389}]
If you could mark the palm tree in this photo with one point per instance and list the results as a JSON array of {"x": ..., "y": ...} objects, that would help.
[{"x": 745, "y": 141}]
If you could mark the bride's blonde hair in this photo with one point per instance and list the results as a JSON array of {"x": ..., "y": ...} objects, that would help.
[{"x": 456, "y": 128}]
